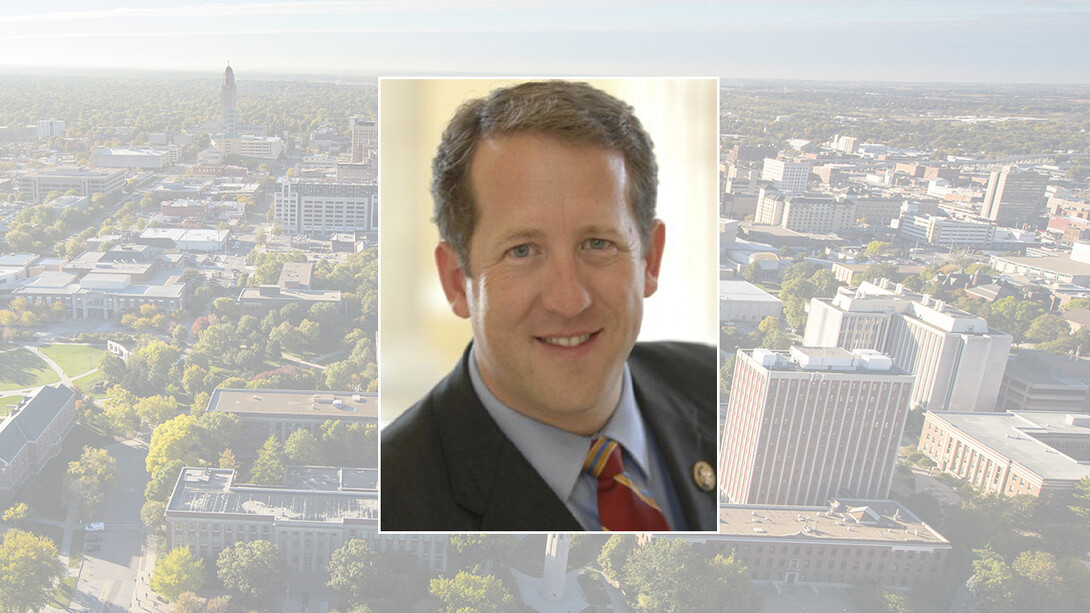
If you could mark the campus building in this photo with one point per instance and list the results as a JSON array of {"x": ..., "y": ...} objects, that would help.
[
  {"x": 1015, "y": 197},
  {"x": 258, "y": 301},
  {"x": 955, "y": 356},
  {"x": 272, "y": 412},
  {"x": 741, "y": 301},
  {"x": 33, "y": 433},
  {"x": 315, "y": 512},
  {"x": 1037, "y": 380},
  {"x": 1039, "y": 453},
  {"x": 839, "y": 544},
  {"x": 785, "y": 175},
  {"x": 810, "y": 425}
]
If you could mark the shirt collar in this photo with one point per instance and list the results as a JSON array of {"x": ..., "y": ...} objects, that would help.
[{"x": 557, "y": 455}]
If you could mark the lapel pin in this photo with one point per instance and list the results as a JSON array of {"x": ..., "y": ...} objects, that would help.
[{"x": 704, "y": 476}]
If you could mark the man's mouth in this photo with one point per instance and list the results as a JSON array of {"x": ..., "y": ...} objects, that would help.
[{"x": 566, "y": 341}]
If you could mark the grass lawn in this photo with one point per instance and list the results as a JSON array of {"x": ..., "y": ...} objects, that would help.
[
  {"x": 20, "y": 368},
  {"x": 62, "y": 597},
  {"x": 85, "y": 383},
  {"x": 5, "y": 401},
  {"x": 74, "y": 359}
]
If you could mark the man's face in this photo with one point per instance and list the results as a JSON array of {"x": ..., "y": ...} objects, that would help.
[{"x": 557, "y": 277}]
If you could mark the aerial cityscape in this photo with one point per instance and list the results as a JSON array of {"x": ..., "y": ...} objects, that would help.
[{"x": 189, "y": 311}]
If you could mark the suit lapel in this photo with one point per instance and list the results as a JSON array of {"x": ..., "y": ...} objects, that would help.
[
  {"x": 684, "y": 437},
  {"x": 489, "y": 477}
]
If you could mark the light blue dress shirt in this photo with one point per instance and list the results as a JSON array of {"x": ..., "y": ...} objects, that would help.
[{"x": 557, "y": 455}]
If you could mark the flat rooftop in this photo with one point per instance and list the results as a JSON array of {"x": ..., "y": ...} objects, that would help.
[
  {"x": 305, "y": 295},
  {"x": 1011, "y": 435},
  {"x": 742, "y": 291},
  {"x": 212, "y": 490},
  {"x": 1061, "y": 264},
  {"x": 871, "y": 521},
  {"x": 328, "y": 405},
  {"x": 331, "y": 479}
]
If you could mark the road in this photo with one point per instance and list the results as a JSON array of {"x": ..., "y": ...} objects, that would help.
[{"x": 108, "y": 579}]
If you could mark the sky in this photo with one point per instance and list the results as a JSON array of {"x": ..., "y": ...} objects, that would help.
[{"x": 993, "y": 41}]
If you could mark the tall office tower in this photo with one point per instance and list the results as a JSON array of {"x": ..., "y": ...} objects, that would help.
[
  {"x": 229, "y": 103},
  {"x": 323, "y": 207},
  {"x": 364, "y": 138},
  {"x": 1015, "y": 197},
  {"x": 556, "y": 566},
  {"x": 957, "y": 359},
  {"x": 48, "y": 128},
  {"x": 818, "y": 423},
  {"x": 785, "y": 175}
]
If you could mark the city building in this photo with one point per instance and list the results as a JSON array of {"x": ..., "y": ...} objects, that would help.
[
  {"x": 1039, "y": 453},
  {"x": 741, "y": 301},
  {"x": 186, "y": 239},
  {"x": 1037, "y": 380},
  {"x": 250, "y": 146},
  {"x": 945, "y": 232},
  {"x": 325, "y": 207},
  {"x": 295, "y": 275},
  {"x": 37, "y": 184},
  {"x": 48, "y": 128},
  {"x": 33, "y": 434},
  {"x": 364, "y": 138},
  {"x": 785, "y": 175},
  {"x": 315, "y": 512},
  {"x": 808, "y": 214},
  {"x": 229, "y": 103},
  {"x": 839, "y": 544},
  {"x": 955, "y": 356},
  {"x": 1015, "y": 197},
  {"x": 749, "y": 153},
  {"x": 1063, "y": 268},
  {"x": 272, "y": 412},
  {"x": 811, "y": 425},
  {"x": 148, "y": 159}
]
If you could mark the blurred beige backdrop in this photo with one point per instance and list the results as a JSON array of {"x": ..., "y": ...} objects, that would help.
[{"x": 419, "y": 339}]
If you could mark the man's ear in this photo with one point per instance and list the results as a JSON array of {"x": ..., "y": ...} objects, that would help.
[
  {"x": 653, "y": 260},
  {"x": 452, "y": 278}
]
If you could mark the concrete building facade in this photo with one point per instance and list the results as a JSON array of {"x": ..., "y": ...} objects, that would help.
[
  {"x": 955, "y": 356},
  {"x": 1015, "y": 197},
  {"x": 36, "y": 185},
  {"x": 786, "y": 175},
  {"x": 812, "y": 425},
  {"x": 325, "y": 207}
]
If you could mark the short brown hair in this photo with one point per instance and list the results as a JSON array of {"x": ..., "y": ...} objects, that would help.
[{"x": 572, "y": 112}]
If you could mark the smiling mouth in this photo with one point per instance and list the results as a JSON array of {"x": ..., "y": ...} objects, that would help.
[{"x": 566, "y": 341}]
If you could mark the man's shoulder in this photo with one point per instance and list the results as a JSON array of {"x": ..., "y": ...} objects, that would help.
[{"x": 674, "y": 357}]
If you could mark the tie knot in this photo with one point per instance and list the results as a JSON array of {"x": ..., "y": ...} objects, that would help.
[{"x": 604, "y": 459}]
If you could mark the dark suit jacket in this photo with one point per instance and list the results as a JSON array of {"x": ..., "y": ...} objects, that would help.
[{"x": 446, "y": 466}]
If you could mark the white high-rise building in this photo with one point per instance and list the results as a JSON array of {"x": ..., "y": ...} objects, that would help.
[
  {"x": 48, "y": 128},
  {"x": 957, "y": 359},
  {"x": 813, "y": 425},
  {"x": 785, "y": 175},
  {"x": 325, "y": 207}
]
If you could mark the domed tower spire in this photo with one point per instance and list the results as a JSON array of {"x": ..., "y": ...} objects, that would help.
[{"x": 229, "y": 103}]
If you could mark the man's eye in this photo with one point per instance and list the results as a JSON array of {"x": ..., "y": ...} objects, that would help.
[
  {"x": 596, "y": 244},
  {"x": 519, "y": 251}
]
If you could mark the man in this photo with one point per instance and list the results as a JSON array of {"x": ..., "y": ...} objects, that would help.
[{"x": 555, "y": 419}]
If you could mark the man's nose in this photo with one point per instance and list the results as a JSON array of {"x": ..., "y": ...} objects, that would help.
[{"x": 565, "y": 289}]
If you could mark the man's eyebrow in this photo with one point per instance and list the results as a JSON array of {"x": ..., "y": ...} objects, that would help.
[{"x": 521, "y": 234}]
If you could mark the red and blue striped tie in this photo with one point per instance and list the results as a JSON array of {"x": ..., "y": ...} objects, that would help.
[{"x": 622, "y": 506}]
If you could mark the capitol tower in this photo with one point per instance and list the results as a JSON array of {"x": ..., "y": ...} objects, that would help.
[{"x": 229, "y": 103}]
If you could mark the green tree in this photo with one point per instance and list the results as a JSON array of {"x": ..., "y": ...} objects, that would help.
[
  {"x": 1047, "y": 327},
  {"x": 879, "y": 271},
  {"x": 268, "y": 468},
  {"x": 86, "y": 480},
  {"x": 651, "y": 574},
  {"x": 177, "y": 572},
  {"x": 471, "y": 592},
  {"x": 877, "y": 248},
  {"x": 153, "y": 513},
  {"x": 615, "y": 554},
  {"x": 188, "y": 602},
  {"x": 730, "y": 582},
  {"x": 174, "y": 440},
  {"x": 253, "y": 569},
  {"x": 154, "y": 410},
  {"x": 18, "y": 515},
  {"x": 302, "y": 448},
  {"x": 356, "y": 571},
  {"x": 474, "y": 549},
  {"x": 994, "y": 581},
  {"x": 119, "y": 406},
  {"x": 1081, "y": 499},
  {"x": 30, "y": 568}
]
